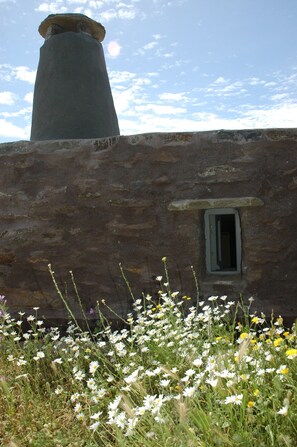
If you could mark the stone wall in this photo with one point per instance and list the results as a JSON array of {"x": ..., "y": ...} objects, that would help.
[{"x": 88, "y": 205}]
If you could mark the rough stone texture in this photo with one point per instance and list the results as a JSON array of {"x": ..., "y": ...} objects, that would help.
[
  {"x": 72, "y": 22},
  {"x": 204, "y": 204},
  {"x": 72, "y": 96},
  {"x": 88, "y": 205}
]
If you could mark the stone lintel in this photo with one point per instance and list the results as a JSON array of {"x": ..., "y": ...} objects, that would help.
[{"x": 204, "y": 204}]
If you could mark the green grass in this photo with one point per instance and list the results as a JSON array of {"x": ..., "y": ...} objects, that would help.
[{"x": 174, "y": 376}]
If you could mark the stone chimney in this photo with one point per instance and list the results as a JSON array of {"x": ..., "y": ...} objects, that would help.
[{"x": 72, "y": 96}]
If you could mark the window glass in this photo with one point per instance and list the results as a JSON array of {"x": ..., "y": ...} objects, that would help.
[{"x": 223, "y": 241}]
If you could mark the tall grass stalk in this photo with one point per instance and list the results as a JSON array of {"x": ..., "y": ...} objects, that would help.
[
  {"x": 173, "y": 376},
  {"x": 63, "y": 299}
]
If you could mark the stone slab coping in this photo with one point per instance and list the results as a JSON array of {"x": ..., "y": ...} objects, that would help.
[
  {"x": 70, "y": 21},
  {"x": 204, "y": 204}
]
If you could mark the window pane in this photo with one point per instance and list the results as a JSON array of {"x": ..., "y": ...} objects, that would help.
[{"x": 223, "y": 245}]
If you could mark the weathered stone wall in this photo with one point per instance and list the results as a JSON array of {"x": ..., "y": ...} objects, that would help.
[{"x": 87, "y": 205}]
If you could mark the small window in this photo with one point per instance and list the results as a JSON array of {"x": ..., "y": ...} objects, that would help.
[{"x": 223, "y": 241}]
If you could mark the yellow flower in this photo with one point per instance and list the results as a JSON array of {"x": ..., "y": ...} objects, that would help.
[
  {"x": 255, "y": 320},
  {"x": 278, "y": 341},
  {"x": 219, "y": 338},
  {"x": 286, "y": 334},
  {"x": 279, "y": 321},
  {"x": 250, "y": 404},
  {"x": 243, "y": 335},
  {"x": 283, "y": 370},
  {"x": 244, "y": 377},
  {"x": 291, "y": 353},
  {"x": 256, "y": 392}
]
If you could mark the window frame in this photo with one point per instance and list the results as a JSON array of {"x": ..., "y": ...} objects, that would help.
[{"x": 210, "y": 243}]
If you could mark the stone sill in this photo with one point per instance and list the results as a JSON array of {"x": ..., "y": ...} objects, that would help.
[{"x": 204, "y": 204}]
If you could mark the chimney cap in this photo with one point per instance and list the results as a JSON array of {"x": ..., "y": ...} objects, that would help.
[{"x": 70, "y": 21}]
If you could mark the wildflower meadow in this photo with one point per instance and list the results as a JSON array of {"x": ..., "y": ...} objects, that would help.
[{"x": 178, "y": 374}]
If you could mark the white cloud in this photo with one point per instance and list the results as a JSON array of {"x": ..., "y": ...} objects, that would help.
[
  {"x": 279, "y": 96},
  {"x": 276, "y": 87},
  {"x": 173, "y": 97},
  {"x": 118, "y": 77},
  {"x": 7, "y": 129},
  {"x": 5, "y": 72},
  {"x": 220, "y": 80},
  {"x": 123, "y": 101},
  {"x": 142, "y": 81},
  {"x": 284, "y": 115},
  {"x": 26, "y": 111},
  {"x": 270, "y": 84},
  {"x": 95, "y": 4},
  {"x": 29, "y": 97},
  {"x": 255, "y": 81},
  {"x": 109, "y": 15},
  {"x": 44, "y": 7},
  {"x": 138, "y": 114},
  {"x": 128, "y": 91},
  {"x": 124, "y": 14},
  {"x": 52, "y": 7},
  {"x": 21, "y": 73},
  {"x": 25, "y": 74},
  {"x": 150, "y": 45},
  {"x": 161, "y": 110},
  {"x": 221, "y": 87},
  {"x": 115, "y": 9},
  {"x": 7, "y": 98},
  {"x": 149, "y": 121},
  {"x": 127, "y": 98},
  {"x": 152, "y": 123}
]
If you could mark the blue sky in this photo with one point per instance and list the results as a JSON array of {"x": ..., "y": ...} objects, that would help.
[{"x": 180, "y": 65}]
